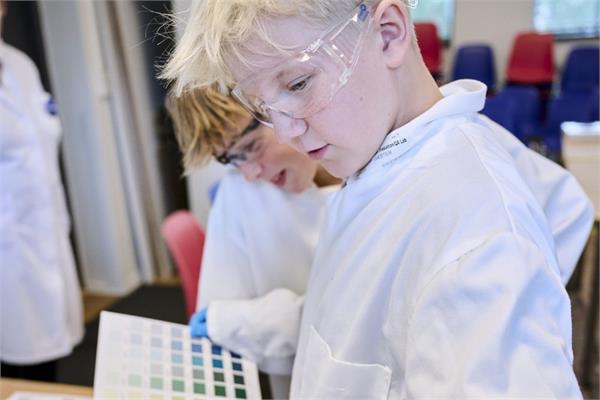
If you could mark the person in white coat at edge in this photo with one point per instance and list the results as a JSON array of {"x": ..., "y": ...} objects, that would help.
[
  {"x": 41, "y": 316},
  {"x": 261, "y": 233},
  {"x": 436, "y": 273}
]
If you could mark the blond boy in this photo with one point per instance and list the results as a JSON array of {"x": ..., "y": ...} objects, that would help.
[{"x": 436, "y": 274}]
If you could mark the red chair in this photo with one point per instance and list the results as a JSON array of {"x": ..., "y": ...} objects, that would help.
[
  {"x": 430, "y": 46},
  {"x": 185, "y": 239},
  {"x": 532, "y": 59}
]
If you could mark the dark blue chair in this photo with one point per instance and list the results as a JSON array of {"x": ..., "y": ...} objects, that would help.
[
  {"x": 578, "y": 107},
  {"x": 502, "y": 111},
  {"x": 475, "y": 62},
  {"x": 527, "y": 111},
  {"x": 581, "y": 70}
]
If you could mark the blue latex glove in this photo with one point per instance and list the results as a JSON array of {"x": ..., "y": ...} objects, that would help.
[{"x": 197, "y": 324}]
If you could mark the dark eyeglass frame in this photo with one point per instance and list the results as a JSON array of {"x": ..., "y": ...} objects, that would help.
[{"x": 237, "y": 159}]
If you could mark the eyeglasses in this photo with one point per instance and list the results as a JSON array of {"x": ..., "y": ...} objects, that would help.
[
  {"x": 306, "y": 82},
  {"x": 247, "y": 148}
]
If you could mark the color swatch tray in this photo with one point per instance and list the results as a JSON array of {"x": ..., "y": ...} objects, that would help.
[{"x": 141, "y": 358}]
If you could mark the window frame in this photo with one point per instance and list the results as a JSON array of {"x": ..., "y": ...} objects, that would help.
[
  {"x": 582, "y": 34},
  {"x": 446, "y": 41}
]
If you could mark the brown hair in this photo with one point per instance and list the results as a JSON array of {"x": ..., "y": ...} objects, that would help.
[{"x": 204, "y": 121}]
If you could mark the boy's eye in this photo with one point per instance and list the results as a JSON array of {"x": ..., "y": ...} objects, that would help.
[{"x": 299, "y": 84}]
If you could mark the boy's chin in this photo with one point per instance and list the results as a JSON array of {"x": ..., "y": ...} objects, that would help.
[{"x": 336, "y": 170}]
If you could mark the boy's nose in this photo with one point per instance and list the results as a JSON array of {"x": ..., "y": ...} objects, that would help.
[
  {"x": 251, "y": 170},
  {"x": 287, "y": 128}
]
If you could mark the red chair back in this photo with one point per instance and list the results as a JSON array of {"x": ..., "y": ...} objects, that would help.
[
  {"x": 532, "y": 59},
  {"x": 185, "y": 239},
  {"x": 430, "y": 46}
]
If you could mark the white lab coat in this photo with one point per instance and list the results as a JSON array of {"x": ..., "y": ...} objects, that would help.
[
  {"x": 565, "y": 205},
  {"x": 259, "y": 246},
  {"x": 569, "y": 212},
  {"x": 40, "y": 300},
  {"x": 436, "y": 274}
]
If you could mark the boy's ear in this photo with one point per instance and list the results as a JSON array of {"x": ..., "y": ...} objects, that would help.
[{"x": 395, "y": 29}]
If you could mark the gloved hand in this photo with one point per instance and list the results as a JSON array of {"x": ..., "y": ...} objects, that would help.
[{"x": 197, "y": 324}]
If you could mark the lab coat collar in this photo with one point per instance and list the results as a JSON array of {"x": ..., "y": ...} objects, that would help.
[{"x": 460, "y": 97}]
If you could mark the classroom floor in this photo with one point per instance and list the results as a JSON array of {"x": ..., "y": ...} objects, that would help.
[{"x": 93, "y": 303}]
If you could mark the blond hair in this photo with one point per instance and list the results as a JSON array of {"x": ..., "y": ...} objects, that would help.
[
  {"x": 205, "y": 121},
  {"x": 220, "y": 30}
]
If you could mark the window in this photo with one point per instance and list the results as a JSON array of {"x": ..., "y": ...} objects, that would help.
[
  {"x": 440, "y": 12},
  {"x": 567, "y": 18}
]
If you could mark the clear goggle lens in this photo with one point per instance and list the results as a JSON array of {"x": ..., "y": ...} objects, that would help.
[{"x": 304, "y": 84}]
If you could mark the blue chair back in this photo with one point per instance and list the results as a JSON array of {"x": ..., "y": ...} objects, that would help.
[
  {"x": 577, "y": 107},
  {"x": 581, "y": 70},
  {"x": 502, "y": 111},
  {"x": 527, "y": 110},
  {"x": 475, "y": 62}
]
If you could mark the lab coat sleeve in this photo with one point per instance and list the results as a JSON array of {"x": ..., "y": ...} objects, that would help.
[
  {"x": 494, "y": 323},
  {"x": 569, "y": 212},
  {"x": 225, "y": 272},
  {"x": 264, "y": 329}
]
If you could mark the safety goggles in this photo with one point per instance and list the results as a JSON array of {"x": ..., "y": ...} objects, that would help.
[
  {"x": 247, "y": 148},
  {"x": 305, "y": 83}
]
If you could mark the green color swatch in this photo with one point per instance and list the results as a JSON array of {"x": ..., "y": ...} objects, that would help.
[
  {"x": 156, "y": 383},
  {"x": 178, "y": 385},
  {"x": 220, "y": 390},
  {"x": 135, "y": 380},
  {"x": 199, "y": 388},
  {"x": 219, "y": 377}
]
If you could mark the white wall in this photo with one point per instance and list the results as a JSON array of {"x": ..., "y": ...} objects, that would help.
[
  {"x": 98, "y": 72},
  {"x": 96, "y": 188},
  {"x": 496, "y": 22}
]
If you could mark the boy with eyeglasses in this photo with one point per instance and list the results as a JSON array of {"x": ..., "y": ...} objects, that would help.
[
  {"x": 261, "y": 233},
  {"x": 436, "y": 273}
]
